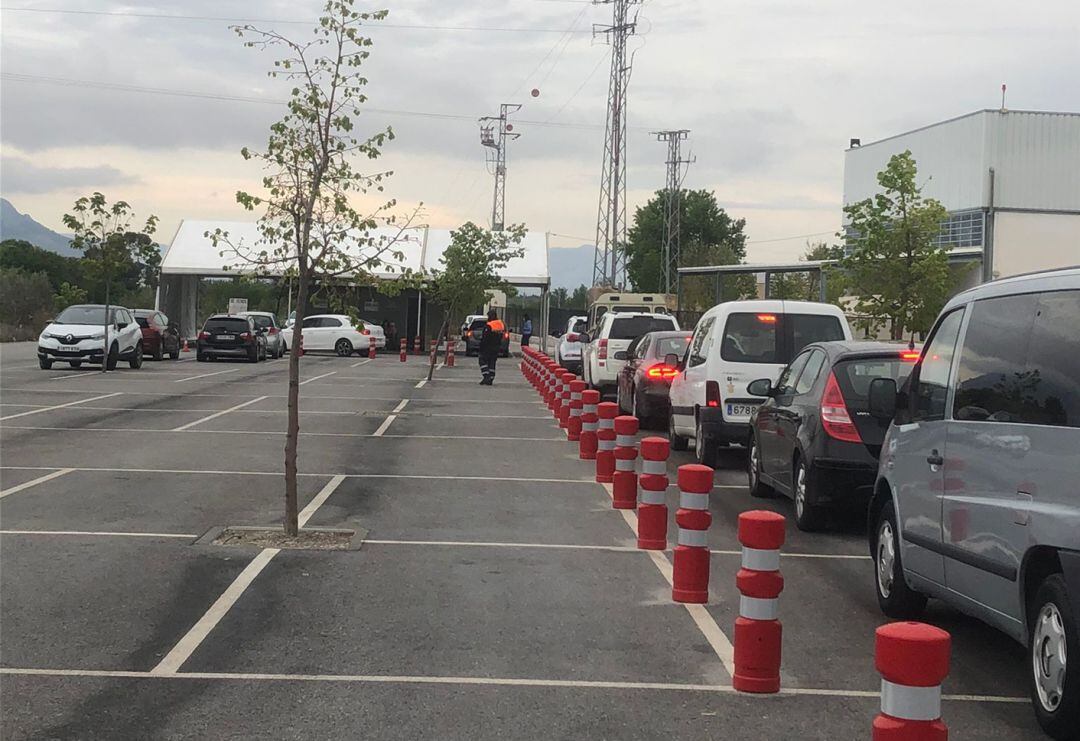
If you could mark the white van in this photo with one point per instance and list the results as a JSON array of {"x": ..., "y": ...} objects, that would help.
[
  {"x": 733, "y": 344},
  {"x": 651, "y": 303},
  {"x": 603, "y": 352}
]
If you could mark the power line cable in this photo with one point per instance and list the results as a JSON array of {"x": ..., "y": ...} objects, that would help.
[{"x": 567, "y": 33}]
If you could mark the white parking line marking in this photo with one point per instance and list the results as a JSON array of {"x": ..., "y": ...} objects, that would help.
[
  {"x": 316, "y": 378},
  {"x": 201, "y": 375},
  {"x": 61, "y": 406},
  {"x": 480, "y": 544},
  {"x": 35, "y": 482},
  {"x": 384, "y": 426},
  {"x": 146, "y": 430},
  {"x": 76, "y": 375},
  {"x": 421, "y": 383},
  {"x": 215, "y": 415},
  {"x": 720, "y": 643},
  {"x": 483, "y": 681},
  {"x": 400, "y": 406},
  {"x": 185, "y": 536},
  {"x": 318, "y": 499},
  {"x": 191, "y": 640},
  {"x": 357, "y": 365}
]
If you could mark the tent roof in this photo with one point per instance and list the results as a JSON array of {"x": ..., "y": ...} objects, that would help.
[{"x": 193, "y": 253}]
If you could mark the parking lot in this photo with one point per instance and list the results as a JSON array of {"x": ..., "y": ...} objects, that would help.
[{"x": 496, "y": 593}]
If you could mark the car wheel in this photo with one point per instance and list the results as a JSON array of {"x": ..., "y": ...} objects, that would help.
[
  {"x": 114, "y": 356},
  {"x": 677, "y": 441},
  {"x": 44, "y": 362},
  {"x": 704, "y": 448},
  {"x": 753, "y": 471},
  {"x": 253, "y": 355},
  {"x": 1055, "y": 682},
  {"x": 175, "y": 354},
  {"x": 808, "y": 514},
  {"x": 159, "y": 351},
  {"x": 200, "y": 358},
  {"x": 136, "y": 359},
  {"x": 895, "y": 598},
  {"x": 343, "y": 348},
  {"x": 75, "y": 364}
]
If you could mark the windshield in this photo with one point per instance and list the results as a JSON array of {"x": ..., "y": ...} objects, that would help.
[
  {"x": 82, "y": 315},
  {"x": 668, "y": 345},
  {"x": 632, "y": 327}
]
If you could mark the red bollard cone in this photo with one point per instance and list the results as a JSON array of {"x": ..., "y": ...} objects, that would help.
[
  {"x": 913, "y": 660},
  {"x": 652, "y": 515},
  {"x": 587, "y": 444},
  {"x": 758, "y": 633},
  {"x": 690, "y": 572},
  {"x": 605, "y": 442},
  {"x": 404, "y": 350},
  {"x": 564, "y": 395},
  {"x": 556, "y": 390},
  {"x": 625, "y": 480},
  {"x": 450, "y": 343},
  {"x": 187, "y": 348},
  {"x": 416, "y": 344},
  {"x": 371, "y": 348},
  {"x": 573, "y": 422}
]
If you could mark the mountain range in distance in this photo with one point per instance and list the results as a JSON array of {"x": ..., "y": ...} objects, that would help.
[{"x": 14, "y": 225}]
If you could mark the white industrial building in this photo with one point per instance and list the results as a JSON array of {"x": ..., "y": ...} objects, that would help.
[{"x": 1010, "y": 181}]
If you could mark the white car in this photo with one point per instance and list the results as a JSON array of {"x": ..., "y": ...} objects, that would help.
[
  {"x": 604, "y": 354},
  {"x": 334, "y": 332},
  {"x": 733, "y": 344},
  {"x": 568, "y": 351},
  {"x": 77, "y": 336},
  {"x": 375, "y": 331}
]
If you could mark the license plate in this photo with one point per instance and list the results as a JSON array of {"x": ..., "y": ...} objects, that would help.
[
  {"x": 741, "y": 410},
  {"x": 69, "y": 348},
  {"x": 229, "y": 337}
]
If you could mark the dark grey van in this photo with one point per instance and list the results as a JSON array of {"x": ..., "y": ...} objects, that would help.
[{"x": 977, "y": 500}]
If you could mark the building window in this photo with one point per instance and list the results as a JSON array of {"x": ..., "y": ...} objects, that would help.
[{"x": 962, "y": 229}]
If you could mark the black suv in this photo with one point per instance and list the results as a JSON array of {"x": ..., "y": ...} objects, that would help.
[{"x": 228, "y": 336}]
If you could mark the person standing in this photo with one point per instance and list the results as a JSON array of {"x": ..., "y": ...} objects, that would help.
[
  {"x": 490, "y": 345},
  {"x": 526, "y": 331}
]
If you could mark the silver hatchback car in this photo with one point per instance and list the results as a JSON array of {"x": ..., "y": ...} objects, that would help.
[{"x": 977, "y": 500}]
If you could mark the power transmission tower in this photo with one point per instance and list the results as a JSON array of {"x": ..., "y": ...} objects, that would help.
[
  {"x": 671, "y": 256},
  {"x": 494, "y": 133},
  {"x": 609, "y": 262}
]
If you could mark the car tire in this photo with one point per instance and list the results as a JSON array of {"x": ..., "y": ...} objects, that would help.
[
  {"x": 113, "y": 358},
  {"x": 200, "y": 358},
  {"x": 343, "y": 348},
  {"x": 895, "y": 598},
  {"x": 1055, "y": 682},
  {"x": 75, "y": 364},
  {"x": 175, "y": 354},
  {"x": 757, "y": 487},
  {"x": 45, "y": 363},
  {"x": 253, "y": 355},
  {"x": 159, "y": 351},
  {"x": 677, "y": 441},
  {"x": 135, "y": 361},
  {"x": 705, "y": 450},
  {"x": 809, "y": 516}
]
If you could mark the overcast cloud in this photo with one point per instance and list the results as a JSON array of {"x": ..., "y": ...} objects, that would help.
[{"x": 771, "y": 89}]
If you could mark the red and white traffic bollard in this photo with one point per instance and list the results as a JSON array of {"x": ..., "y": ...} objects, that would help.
[
  {"x": 758, "y": 633},
  {"x": 404, "y": 350},
  {"x": 564, "y": 394},
  {"x": 605, "y": 441},
  {"x": 416, "y": 344},
  {"x": 690, "y": 572},
  {"x": 913, "y": 660},
  {"x": 652, "y": 513},
  {"x": 450, "y": 343},
  {"x": 556, "y": 390},
  {"x": 573, "y": 422},
  {"x": 371, "y": 348},
  {"x": 589, "y": 423},
  {"x": 624, "y": 481}
]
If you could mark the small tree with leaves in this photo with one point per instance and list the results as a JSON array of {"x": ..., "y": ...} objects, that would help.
[
  {"x": 110, "y": 248},
  {"x": 895, "y": 268},
  {"x": 470, "y": 268},
  {"x": 311, "y": 231}
]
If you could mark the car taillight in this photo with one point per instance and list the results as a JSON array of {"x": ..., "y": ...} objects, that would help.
[
  {"x": 602, "y": 353},
  {"x": 767, "y": 318},
  {"x": 834, "y": 414},
  {"x": 661, "y": 372},
  {"x": 273, "y": 330},
  {"x": 712, "y": 394},
  {"x": 571, "y": 337},
  {"x": 204, "y": 335},
  {"x": 245, "y": 335},
  {"x": 909, "y": 357},
  {"x": 468, "y": 333},
  {"x": 365, "y": 331}
]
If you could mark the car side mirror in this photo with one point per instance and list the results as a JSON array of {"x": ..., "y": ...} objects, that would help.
[
  {"x": 760, "y": 387},
  {"x": 673, "y": 360},
  {"x": 882, "y": 397},
  {"x": 620, "y": 355}
]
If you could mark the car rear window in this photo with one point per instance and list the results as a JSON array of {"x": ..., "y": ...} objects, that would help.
[
  {"x": 632, "y": 327},
  {"x": 579, "y": 326},
  {"x": 808, "y": 328},
  {"x": 854, "y": 376},
  {"x": 262, "y": 321},
  {"x": 142, "y": 322},
  {"x": 668, "y": 345},
  {"x": 229, "y": 325},
  {"x": 478, "y": 324},
  {"x": 768, "y": 337}
]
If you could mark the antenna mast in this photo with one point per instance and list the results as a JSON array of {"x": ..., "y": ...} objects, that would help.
[
  {"x": 494, "y": 133},
  {"x": 671, "y": 255}
]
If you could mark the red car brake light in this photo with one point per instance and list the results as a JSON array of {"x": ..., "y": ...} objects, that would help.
[
  {"x": 602, "y": 352},
  {"x": 204, "y": 335},
  {"x": 661, "y": 372},
  {"x": 834, "y": 414},
  {"x": 245, "y": 335},
  {"x": 767, "y": 318},
  {"x": 712, "y": 394},
  {"x": 571, "y": 337},
  {"x": 273, "y": 330},
  {"x": 909, "y": 356},
  {"x": 365, "y": 331}
]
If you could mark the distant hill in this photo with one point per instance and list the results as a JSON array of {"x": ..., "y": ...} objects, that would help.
[
  {"x": 14, "y": 225},
  {"x": 571, "y": 267}
]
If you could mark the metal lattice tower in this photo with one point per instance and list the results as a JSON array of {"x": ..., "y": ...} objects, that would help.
[
  {"x": 671, "y": 254},
  {"x": 609, "y": 262},
  {"x": 494, "y": 133}
]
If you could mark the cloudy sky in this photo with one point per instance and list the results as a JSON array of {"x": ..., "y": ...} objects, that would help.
[{"x": 146, "y": 108}]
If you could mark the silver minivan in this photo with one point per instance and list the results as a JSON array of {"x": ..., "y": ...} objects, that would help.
[{"x": 977, "y": 500}]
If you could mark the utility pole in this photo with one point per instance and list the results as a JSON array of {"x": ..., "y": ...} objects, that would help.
[
  {"x": 671, "y": 255},
  {"x": 609, "y": 262},
  {"x": 494, "y": 133}
]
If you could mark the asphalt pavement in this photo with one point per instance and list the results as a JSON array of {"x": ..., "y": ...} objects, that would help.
[{"x": 496, "y": 594}]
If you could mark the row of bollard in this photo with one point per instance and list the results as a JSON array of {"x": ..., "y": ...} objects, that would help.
[
  {"x": 912, "y": 658},
  {"x": 403, "y": 353}
]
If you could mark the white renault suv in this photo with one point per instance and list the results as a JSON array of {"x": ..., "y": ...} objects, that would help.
[
  {"x": 604, "y": 352},
  {"x": 77, "y": 336}
]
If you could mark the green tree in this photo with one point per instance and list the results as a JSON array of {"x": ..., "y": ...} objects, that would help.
[
  {"x": 25, "y": 303},
  {"x": 68, "y": 295},
  {"x": 310, "y": 230},
  {"x": 18, "y": 253},
  {"x": 470, "y": 269},
  {"x": 111, "y": 250},
  {"x": 807, "y": 286},
  {"x": 579, "y": 299},
  {"x": 896, "y": 270},
  {"x": 559, "y": 297},
  {"x": 708, "y": 235}
]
